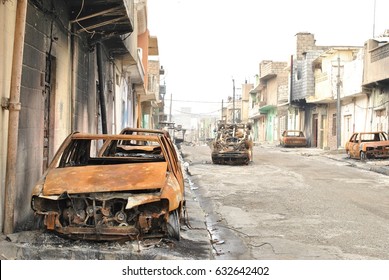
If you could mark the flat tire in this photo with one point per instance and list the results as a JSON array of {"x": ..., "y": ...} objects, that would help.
[{"x": 173, "y": 225}]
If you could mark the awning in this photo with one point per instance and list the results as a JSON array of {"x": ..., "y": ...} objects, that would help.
[
  {"x": 267, "y": 77},
  {"x": 153, "y": 45},
  {"x": 110, "y": 21},
  {"x": 267, "y": 108},
  {"x": 257, "y": 116},
  {"x": 103, "y": 18}
]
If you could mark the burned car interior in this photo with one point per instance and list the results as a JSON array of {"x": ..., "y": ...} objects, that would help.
[
  {"x": 142, "y": 151},
  {"x": 110, "y": 187}
]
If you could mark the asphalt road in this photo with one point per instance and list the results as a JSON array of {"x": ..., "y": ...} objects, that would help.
[
  {"x": 292, "y": 204},
  {"x": 288, "y": 204}
]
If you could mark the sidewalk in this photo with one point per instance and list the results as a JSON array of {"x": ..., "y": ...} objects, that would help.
[{"x": 378, "y": 165}]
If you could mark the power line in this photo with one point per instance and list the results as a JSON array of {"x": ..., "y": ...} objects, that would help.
[
  {"x": 197, "y": 114},
  {"x": 372, "y": 107},
  {"x": 193, "y": 101}
]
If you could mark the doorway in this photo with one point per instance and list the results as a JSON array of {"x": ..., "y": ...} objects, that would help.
[{"x": 315, "y": 122}]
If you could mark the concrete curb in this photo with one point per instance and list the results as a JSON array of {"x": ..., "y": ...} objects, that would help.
[{"x": 379, "y": 166}]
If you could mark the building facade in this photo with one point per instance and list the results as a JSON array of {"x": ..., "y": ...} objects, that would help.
[
  {"x": 83, "y": 69},
  {"x": 267, "y": 111},
  {"x": 376, "y": 82},
  {"x": 318, "y": 84}
]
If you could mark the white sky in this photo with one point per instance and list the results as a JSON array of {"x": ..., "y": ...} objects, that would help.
[{"x": 204, "y": 44}]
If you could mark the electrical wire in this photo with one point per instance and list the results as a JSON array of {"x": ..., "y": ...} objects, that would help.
[
  {"x": 197, "y": 114},
  {"x": 54, "y": 15},
  {"x": 83, "y": 28},
  {"x": 371, "y": 107},
  {"x": 194, "y": 101}
]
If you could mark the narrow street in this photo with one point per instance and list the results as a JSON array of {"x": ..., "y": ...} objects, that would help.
[
  {"x": 292, "y": 204},
  {"x": 289, "y": 203}
]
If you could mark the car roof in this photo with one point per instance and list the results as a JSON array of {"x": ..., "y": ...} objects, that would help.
[
  {"x": 89, "y": 136},
  {"x": 370, "y": 132},
  {"x": 144, "y": 130}
]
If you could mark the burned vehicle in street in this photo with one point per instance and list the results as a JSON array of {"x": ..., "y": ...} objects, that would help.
[
  {"x": 112, "y": 187},
  {"x": 367, "y": 145},
  {"x": 293, "y": 138},
  {"x": 232, "y": 144}
]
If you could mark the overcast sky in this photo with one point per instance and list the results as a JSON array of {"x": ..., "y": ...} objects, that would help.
[{"x": 204, "y": 44}]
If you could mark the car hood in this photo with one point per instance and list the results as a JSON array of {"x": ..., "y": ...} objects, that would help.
[{"x": 105, "y": 178}]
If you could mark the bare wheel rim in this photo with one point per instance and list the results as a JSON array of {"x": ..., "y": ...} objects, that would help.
[{"x": 173, "y": 225}]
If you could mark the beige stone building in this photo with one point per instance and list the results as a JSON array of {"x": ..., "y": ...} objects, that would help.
[
  {"x": 376, "y": 82},
  {"x": 303, "y": 94},
  {"x": 268, "y": 100},
  {"x": 236, "y": 109},
  {"x": 337, "y": 71}
]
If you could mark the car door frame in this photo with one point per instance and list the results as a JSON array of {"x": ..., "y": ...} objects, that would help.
[{"x": 354, "y": 144}]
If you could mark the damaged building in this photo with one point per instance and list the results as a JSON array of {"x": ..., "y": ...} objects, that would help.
[{"x": 83, "y": 66}]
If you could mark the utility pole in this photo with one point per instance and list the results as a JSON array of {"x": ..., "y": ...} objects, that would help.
[
  {"x": 170, "y": 111},
  {"x": 338, "y": 128},
  {"x": 14, "y": 107},
  {"x": 233, "y": 101},
  {"x": 374, "y": 18},
  {"x": 222, "y": 111}
]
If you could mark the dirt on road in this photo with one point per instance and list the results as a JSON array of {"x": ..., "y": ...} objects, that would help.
[{"x": 292, "y": 204}]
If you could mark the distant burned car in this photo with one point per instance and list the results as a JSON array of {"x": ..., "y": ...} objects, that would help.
[
  {"x": 232, "y": 144},
  {"x": 111, "y": 187},
  {"x": 366, "y": 145},
  {"x": 293, "y": 138}
]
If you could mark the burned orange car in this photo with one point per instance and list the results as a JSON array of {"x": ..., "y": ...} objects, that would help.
[
  {"x": 110, "y": 187},
  {"x": 366, "y": 145},
  {"x": 293, "y": 138}
]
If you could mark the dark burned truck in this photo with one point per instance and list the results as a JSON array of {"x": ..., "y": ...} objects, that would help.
[{"x": 232, "y": 144}]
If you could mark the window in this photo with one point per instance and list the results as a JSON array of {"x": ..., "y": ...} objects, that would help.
[{"x": 333, "y": 124}]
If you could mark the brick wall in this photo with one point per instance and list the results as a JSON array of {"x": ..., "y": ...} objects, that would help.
[
  {"x": 304, "y": 42},
  {"x": 30, "y": 141},
  {"x": 303, "y": 78},
  {"x": 47, "y": 36}
]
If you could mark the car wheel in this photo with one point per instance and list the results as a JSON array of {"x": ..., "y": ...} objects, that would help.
[
  {"x": 363, "y": 156},
  {"x": 173, "y": 225}
]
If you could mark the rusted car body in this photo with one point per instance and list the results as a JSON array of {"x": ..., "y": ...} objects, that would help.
[
  {"x": 111, "y": 187},
  {"x": 366, "y": 145},
  {"x": 293, "y": 138},
  {"x": 144, "y": 131},
  {"x": 233, "y": 144}
]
